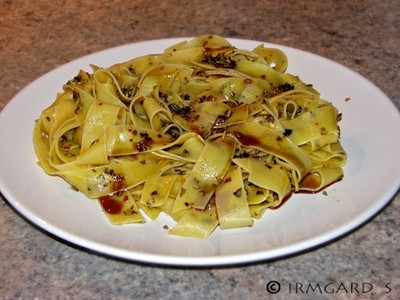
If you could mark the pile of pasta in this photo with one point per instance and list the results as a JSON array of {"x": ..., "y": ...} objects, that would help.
[{"x": 207, "y": 133}]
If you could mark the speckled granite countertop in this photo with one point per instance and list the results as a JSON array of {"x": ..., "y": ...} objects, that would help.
[{"x": 37, "y": 36}]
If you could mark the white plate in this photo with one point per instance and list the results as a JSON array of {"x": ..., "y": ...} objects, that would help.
[{"x": 370, "y": 135}]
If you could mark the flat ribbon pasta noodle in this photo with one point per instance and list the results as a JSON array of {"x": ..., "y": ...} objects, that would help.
[
  {"x": 318, "y": 124},
  {"x": 206, "y": 133},
  {"x": 196, "y": 223},
  {"x": 320, "y": 178},
  {"x": 157, "y": 187},
  {"x": 108, "y": 179},
  {"x": 231, "y": 201},
  {"x": 253, "y": 135},
  {"x": 206, "y": 175},
  {"x": 266, "y": 176}
]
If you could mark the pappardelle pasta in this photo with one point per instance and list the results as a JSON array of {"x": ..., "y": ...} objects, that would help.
[{"x": 204, "y": 132}]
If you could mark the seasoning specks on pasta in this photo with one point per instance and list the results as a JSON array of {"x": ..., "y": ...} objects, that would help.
[{"x": 207, "y": 133}]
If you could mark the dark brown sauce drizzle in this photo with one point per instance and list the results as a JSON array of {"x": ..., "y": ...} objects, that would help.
[
  {"x": 288, "y": 196},
  {"x": 110, "y": 205},
  {"x": 246, "y": 140}
]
